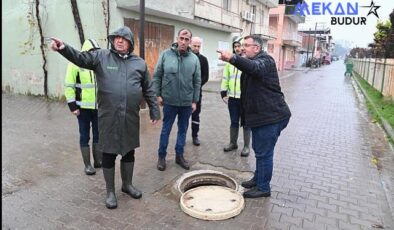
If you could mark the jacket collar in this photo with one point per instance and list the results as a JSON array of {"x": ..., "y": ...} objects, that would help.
[{"x": 174, "y": 48}]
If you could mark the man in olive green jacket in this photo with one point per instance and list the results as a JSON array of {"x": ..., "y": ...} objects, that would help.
[
  {"x": 122, "y": 81},
  {"x": 177, "y": 82}
]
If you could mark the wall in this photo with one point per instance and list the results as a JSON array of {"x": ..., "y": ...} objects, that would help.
[
  {"x": 23, "y": 70},
  {"x": 379, "y": 73}
]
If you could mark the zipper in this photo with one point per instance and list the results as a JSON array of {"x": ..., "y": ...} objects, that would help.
[
  {"x": 95, "y": 88},
  {"x": 235, "y": 84}
]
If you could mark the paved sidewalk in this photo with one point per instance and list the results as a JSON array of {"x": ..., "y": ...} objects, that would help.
[{"x": 333, "y": 167}]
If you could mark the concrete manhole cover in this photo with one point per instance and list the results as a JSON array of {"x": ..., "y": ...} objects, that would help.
[{"x": 212, "y": 202}]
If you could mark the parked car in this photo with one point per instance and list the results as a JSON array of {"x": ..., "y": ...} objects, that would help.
[{"x": 327, "y": 60}]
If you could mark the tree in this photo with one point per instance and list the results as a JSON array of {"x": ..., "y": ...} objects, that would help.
[
  {"x": 390, "y": 38},
  {"x": 381, "y": 45}
]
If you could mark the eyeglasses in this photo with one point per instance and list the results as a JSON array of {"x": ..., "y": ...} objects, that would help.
[
  {"x": 184, "y": 39},
  {"x": 248, "y": 45}
]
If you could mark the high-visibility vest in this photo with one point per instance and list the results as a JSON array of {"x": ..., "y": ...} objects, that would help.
[
  {"x": 231, "y": 81},
  {"x": 80, "y": 84}
]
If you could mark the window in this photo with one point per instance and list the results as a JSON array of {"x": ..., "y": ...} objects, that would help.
[{"x": 227, "y": 4}]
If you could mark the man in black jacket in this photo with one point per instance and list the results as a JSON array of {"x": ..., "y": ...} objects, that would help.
[
  {"x": 196, "y": 46},
  {"x": 263, "y": 109}
]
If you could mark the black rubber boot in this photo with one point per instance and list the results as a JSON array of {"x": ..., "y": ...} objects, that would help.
[
  {"x": 89, "y": 170},
  {"x": 109, "y": 176},
  {"x": 246, "y": 150},
  {"x": 126, "y": 171},
  {"x": 233, "y": 140},
  {"x": 97, "y": 156}
]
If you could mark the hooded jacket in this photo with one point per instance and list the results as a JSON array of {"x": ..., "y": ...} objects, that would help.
[
  {"x": 177, "y": 77},
  {"x": 80, "y": 84},
  {"x": 122, "y": 80}
]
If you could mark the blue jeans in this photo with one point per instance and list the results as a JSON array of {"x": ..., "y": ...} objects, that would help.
[
  {"x": 170, "y": 112},
  {"x": 234, "y": 108},
  {"x": 85, "y": 118},
  {"x": 264, "y": 139}
]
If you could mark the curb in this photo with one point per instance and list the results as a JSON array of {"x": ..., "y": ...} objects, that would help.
[
  {"x": 387, "y": 187},
  {"x": 386, "y": 126}
]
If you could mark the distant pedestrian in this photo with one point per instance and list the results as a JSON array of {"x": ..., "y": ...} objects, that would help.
[
  {"x": 263, "y": 109},
  {"x": 231, "y": 95},
  {"x": 122, "y": 81},
  {"x": 80, "y": 91},
  {"x": 177, "y": 81},
  {"x": 196, "y": 46}
]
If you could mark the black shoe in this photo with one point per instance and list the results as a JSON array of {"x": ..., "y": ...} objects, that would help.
[
  {"x": 249, "y": 184},
  {"x": 161, "y": 164},
  {"x": 196, "y": 141},
  {"x": 182, "y": 162},
  {"x": 256, "y": 193}
]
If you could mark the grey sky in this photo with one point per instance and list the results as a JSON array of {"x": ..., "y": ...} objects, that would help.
[{"x": 358, "y": 35}]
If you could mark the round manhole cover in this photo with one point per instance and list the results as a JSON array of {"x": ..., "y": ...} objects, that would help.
[{"x": 212, "y": 202}]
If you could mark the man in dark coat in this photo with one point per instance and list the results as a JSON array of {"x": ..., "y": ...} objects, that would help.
[
  {"x": 196, "y": 46},
  {"x": 263, "y": 109},
  {"x": 122, "y": 80}
]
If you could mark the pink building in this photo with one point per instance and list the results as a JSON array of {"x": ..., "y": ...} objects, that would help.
[{"x": 284, "y": 48}]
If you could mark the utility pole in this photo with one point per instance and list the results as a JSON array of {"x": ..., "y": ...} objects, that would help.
[
  {"x": 142, "y": 29},
  {"x": 307, "y": 51},
  {"x": 142, "y": 40},
  {"x": 314, "y": 42}
]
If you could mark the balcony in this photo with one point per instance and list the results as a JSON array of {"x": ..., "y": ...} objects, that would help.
[
  {"x": 197, "y": 12},
  {"x": 269, "y": 3},
  {"x": 175, "y": 10},
  {"x": 292, "y": 39},
  {"x": 289, "y": 12},
  {"x": 211, "y": 13},
  {"x": 268, "y": 33}
]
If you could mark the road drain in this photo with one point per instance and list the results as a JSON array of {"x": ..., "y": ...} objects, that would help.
[{"x": 209, "y": 195}]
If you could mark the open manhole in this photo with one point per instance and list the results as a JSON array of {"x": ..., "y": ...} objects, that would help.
[{"x": 209, "y": 195}]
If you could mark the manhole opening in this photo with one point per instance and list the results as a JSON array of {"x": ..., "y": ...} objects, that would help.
[
  {"x": 205, "y": 178},
  {"x": 206, "y": 181}
]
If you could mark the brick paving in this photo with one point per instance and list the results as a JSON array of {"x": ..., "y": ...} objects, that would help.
[{"x": 324, "y": 171}]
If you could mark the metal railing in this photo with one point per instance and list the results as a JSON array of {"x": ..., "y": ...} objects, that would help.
[{"x": 379, "y": 73}]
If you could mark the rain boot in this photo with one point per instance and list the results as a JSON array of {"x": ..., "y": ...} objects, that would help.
[
  {"x": 89, "y": 170},
  {"x": 109, "y": 176},
  {"x": 246, "y": 149},
  {"x": 233, "y": 140},
  {"x": 97, "y": 156},
  {"x": 126, "y": 170}
]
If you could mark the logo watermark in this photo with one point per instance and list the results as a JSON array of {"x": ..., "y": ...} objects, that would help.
[{"x": 342, "y": 13}]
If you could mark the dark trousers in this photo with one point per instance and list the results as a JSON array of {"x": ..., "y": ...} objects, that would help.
[
  {"x": 264, "y": 139},
  {"x": 170, "y": 113},
  {"x": 196, "y": 120},
  {"x": 109, "y": 159},
  {"x": 87, "y": 118},
  {"x": 234, "y": 108}
]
